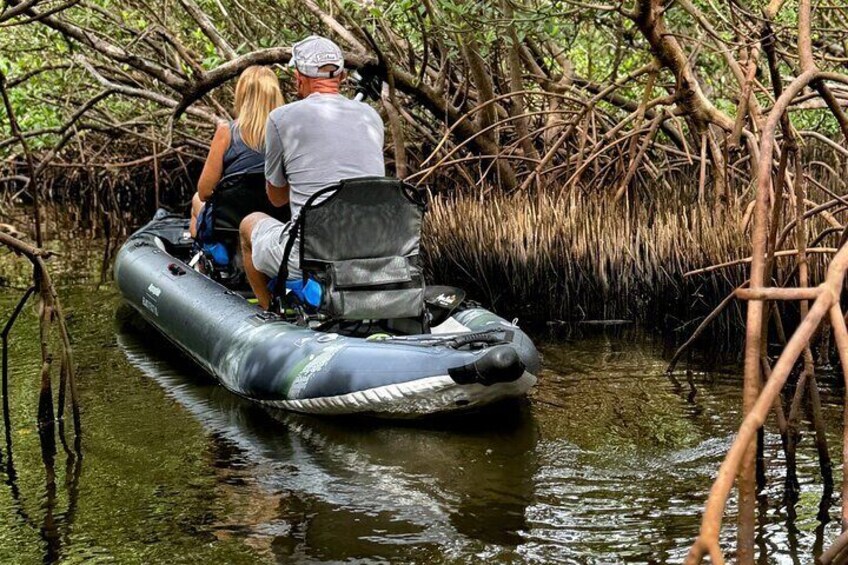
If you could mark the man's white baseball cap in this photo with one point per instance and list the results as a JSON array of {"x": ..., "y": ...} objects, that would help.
[{"x": 314, "y": 52}]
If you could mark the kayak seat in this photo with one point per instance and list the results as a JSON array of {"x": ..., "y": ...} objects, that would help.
[
  {"x": 235, "y": 197},
  {"x": 360, "y": 240}
]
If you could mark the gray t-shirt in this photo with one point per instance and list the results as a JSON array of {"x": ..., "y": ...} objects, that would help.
[{"x": 316, "y": 142}]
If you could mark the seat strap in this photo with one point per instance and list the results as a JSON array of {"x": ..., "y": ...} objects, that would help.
[{"x": 283, "y": 272}]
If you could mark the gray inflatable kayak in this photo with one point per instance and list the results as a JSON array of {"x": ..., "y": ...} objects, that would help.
[{"x": 471, "y": 359}]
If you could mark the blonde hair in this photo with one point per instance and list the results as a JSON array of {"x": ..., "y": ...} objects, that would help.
[{"x": 257, "y": 93}]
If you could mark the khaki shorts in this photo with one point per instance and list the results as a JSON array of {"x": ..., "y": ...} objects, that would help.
[{"x": 268, "y": 242}]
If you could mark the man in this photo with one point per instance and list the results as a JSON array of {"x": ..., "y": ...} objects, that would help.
[{"x": 310, "y": 144}]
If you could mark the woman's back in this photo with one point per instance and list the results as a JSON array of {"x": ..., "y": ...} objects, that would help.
[
  {"x": 240, "y": 157},
  {"x": 238, "y": 146}
]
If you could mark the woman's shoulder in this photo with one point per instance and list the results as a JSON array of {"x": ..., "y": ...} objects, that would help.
[
  {"x": 222, "y": 133},
  {"x": 224, "y": 127}
]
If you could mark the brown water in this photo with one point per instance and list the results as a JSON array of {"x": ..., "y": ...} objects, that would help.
[{"x": 610, "y": 461}]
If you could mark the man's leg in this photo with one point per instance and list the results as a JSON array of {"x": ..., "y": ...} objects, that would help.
[{"x": 258, "y": 280}]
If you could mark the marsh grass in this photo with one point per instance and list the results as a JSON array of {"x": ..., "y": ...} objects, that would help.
[{"x": 543, "y": 257}]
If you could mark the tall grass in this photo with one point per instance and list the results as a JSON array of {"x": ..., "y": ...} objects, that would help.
[{"x": 548, "y": 257}]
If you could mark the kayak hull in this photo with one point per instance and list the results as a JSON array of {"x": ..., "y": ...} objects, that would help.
[{"x": 262, "y": 357}]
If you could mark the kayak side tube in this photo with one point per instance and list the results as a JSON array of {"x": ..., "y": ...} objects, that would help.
[{"x": 260, "y": 356}]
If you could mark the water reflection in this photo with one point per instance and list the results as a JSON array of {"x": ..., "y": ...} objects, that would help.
[
  {"x": 611, "y": 462},
  {"x": 340, "y": 489},
  {"x": 54, "y": 529},
  {"x": 645, "y": 449}
]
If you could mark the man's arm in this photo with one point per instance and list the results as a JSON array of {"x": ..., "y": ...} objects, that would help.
[
  {"x": 278, "y": 195},
  {"x": 276, "y": 185}
]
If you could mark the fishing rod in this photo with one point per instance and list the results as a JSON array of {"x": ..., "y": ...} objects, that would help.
[{"x": 368, "y": 81}]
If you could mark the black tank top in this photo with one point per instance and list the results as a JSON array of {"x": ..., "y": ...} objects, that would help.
[{"x": 239, "y": 158}]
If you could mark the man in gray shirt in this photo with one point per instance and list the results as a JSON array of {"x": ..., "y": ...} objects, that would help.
[{"x": 309, "y": 145}]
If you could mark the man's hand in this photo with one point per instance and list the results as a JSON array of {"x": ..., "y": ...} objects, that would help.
[{"x": 278, "y": 195}]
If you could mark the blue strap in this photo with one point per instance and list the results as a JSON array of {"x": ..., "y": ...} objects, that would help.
[
  {"x": 218, "y": 252},
  {"x": 206, "y": 222},
  {"x": 309, "y": 292}
]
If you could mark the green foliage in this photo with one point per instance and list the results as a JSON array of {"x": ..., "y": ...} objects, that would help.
[
  {"x": 28, "y": 100},
  {"x": 601, "y": 46}
]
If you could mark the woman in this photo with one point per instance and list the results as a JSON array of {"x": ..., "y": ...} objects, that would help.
[{"x": 239, "y": 146}]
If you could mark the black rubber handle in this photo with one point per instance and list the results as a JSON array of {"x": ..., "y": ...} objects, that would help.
[{"x": 500, "y": 364}]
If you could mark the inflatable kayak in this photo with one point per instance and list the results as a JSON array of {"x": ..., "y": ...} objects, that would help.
[{"x": 470, "y": 359}]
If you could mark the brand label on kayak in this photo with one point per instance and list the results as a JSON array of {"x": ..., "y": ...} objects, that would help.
[
  {"x": 445, "y": 300},
  {"x": 147, "y": 303},
  {"x": 150, "y": 299}
]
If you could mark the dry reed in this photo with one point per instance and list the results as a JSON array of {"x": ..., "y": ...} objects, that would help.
[{"x": 548, "y": 257}]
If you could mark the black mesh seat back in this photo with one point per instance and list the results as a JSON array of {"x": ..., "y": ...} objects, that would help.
[
  {"x": 237, "y": 196},
  {"x": 364, "y": 218},
  {"x": 363, "y": 242}
]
